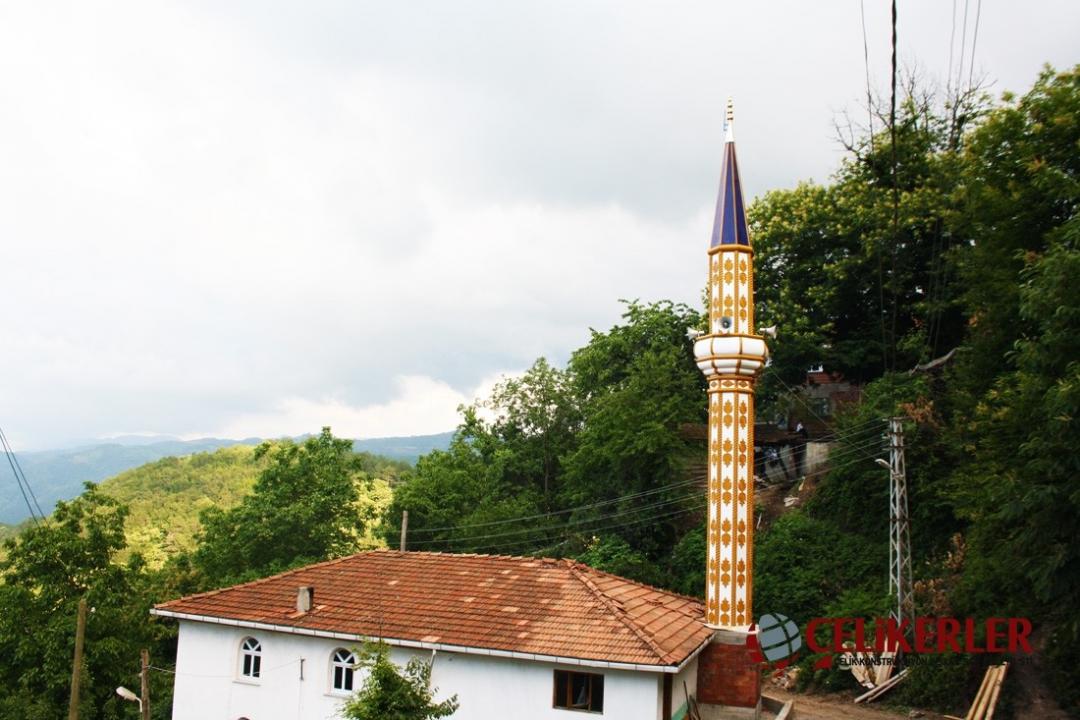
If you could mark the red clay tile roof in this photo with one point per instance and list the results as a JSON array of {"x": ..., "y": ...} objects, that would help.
[{"x": 527, "y": 605}]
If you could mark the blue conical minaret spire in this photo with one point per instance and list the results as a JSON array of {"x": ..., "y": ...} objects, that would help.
[{"x": 729, "y": 226}]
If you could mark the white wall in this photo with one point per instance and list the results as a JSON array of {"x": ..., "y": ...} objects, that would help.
[
  {"x": 687, "y": 675},
  {"x": 207, "y": 687}
]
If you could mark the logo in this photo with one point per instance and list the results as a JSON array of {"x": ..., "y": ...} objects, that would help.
[
  {"x": 778, "y": 638},
  {"x": 877, "y": 641}
]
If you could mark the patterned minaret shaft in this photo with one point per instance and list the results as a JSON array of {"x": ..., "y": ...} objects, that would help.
[{"x": 731, "y": 356}]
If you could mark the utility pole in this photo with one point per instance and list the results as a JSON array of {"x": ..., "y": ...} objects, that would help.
[
  {"x": 76, "y": 668},
  {"x": 404, "y": 527},
  {"x": 900, "y": 586},
  {"x": 144, "y": 682}
]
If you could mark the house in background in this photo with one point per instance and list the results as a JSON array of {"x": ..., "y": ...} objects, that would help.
[
  {"x": 510, "y": 636},
  {"x": 826, "y": 394}
]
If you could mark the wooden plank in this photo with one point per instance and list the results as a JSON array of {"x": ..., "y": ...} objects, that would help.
[
  {"x": 980, "y": 711},
  {"x": 970, "y": 714},
  {"x": 997, "y": 691},
  {"x": 787, "y": 712},
  {"x": 883, "y": 688},
  {"x": 974, "y": 712}
]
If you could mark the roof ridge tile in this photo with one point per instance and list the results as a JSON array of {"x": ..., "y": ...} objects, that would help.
[{"x": 615, "y": 608}]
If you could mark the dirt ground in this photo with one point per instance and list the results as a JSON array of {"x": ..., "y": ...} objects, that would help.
[
  {"x": 840, "y": 707},
  {"x": 1032, "y": 698}
]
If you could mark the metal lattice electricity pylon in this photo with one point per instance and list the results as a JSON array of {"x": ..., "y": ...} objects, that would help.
[{"x": 900, "y": 585}]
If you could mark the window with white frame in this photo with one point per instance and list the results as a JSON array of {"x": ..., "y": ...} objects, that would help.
[
  {"x": 250, "y": 658},
  {"x": 342, "y": 664}
]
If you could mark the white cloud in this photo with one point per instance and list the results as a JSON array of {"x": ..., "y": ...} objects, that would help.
[{"x": 421, "y": 405}]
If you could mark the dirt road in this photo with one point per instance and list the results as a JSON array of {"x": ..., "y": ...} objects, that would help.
[{"x": 839, "y": 707}]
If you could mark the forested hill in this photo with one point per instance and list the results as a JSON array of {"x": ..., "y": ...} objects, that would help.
[
  {"x": 60, "y": 474},
  {"x": 165, "y": 498}
]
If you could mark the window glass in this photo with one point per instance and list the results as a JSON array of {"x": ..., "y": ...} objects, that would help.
[
  {"x": 250, "y": 658},
  {"x": 579, "y": 691},
  {"x": 342, "y": 663}
]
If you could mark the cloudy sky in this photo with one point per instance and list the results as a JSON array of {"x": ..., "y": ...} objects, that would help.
[{"x": 257, "y": 218}]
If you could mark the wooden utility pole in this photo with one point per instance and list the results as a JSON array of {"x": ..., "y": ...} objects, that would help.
[
  {"x": 76, "y": 666},
  {"x": 144, "y": 681},
  {"x": 404, "y": 527}
]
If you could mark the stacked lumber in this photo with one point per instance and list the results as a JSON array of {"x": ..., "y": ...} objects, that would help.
[{"x": 986, "y": 699}]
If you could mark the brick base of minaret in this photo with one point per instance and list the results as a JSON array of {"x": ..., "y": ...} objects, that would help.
[{"x": 729, "y": 676}]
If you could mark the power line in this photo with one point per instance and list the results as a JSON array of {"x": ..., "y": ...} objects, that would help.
[
  {"x": 974, "y": 40},
  {"x": 866, "y": 67},
  {"x": 952, "y": 45},
  {"x": 602, "y": 525},
  {"x": 569, "y": 524},
  {"x": 963, "y": 49},
  {"x": 852, "y": 436},
  {"x": 598, "y": 527},
  {"x": 759, "y": 465},
  {"x": 29, "y": 489},
  {"x": 851, "y": 455},
  {"x": 20, "y": 479},
  {"x": 186, "y": 674},
  {"x": 797, "y": 397},
  {"x": 554, "y": 513},
  {"x": 895, "y": 190}
]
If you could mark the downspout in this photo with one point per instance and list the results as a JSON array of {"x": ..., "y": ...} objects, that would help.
[{"x": 666, "y": 712}]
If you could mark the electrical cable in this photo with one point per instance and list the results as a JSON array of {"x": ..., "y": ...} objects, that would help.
[
  {"x": 866, "y": 68},
  {"x": 895, "y": 189},
  {"x": 797, "y": 397},
  {"x": 760, "y": 465},
  {"x": 198, "y": 675},
  {"x": 697, "y": 507},
  {"x": 14, "y": 471},
  {"x": 529, "y": 542},
  {"x": 15, "y": 459},
  {"x": 850, "y": 454},
  {"x": 974, "y": 40},
  {"x": 963, "y": 50},
  {"x": 952, "y": 45}
]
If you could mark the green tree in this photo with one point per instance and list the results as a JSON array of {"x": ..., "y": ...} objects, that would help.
[
  {"x": 305, "y": 507},
  {"x": 47, "y": 570},
  {"x": 1021, "y": 492},
  {"x": 460, "y": 499},
  {"x": 614, "y": 555},
  {"x": 847, "y": 286},
  {"x": 495, "y": 470},
  {"x": 561, "y": 445},
  {"x": 536, "y": 421},
  {"x": 638, "y": 385},
  {"x": 390, "y": 693},
  {"x": 1021, "y": 182}
]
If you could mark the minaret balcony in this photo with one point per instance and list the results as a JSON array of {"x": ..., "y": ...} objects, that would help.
[{"x": 730, "y": 354}]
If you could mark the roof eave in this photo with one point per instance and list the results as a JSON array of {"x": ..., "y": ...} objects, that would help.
[{"x": 442, "y": 647}]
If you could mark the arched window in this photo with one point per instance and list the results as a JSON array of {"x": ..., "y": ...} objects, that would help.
[
  {"x": 342, "y": 663},
  {"x": 250, "y": 657}
]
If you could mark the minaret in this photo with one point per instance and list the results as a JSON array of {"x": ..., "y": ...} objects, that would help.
[{"x": 731, "y": 356}]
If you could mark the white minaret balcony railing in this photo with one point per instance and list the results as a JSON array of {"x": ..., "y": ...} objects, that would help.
[{"x": 730, "y": 354}]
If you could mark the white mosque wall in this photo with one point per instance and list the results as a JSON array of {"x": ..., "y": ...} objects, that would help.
[{"x": 209, "y": 686}]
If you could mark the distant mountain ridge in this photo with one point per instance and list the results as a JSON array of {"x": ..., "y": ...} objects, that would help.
[{"x": 60, "y": 474}]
